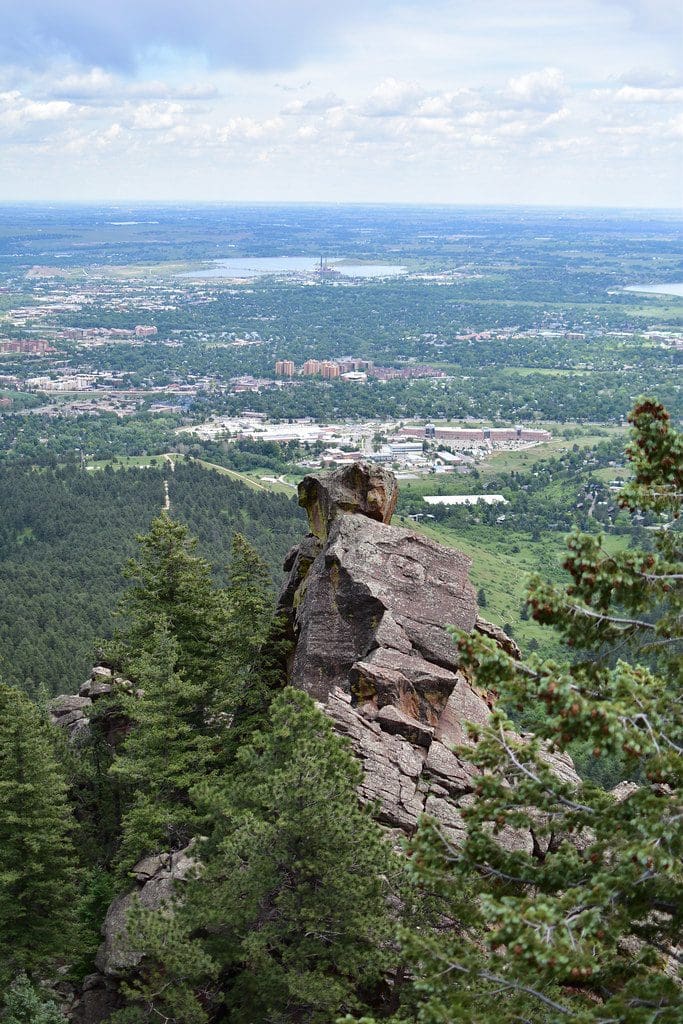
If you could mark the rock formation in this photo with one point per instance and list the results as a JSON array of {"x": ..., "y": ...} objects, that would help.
[
  {"x": 73, "y": 713},
  {"x": 366, "y": 606}
]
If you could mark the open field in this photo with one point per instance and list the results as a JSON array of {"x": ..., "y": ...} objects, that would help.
[
  {"x": 254, "y": 479},
  {"x": 502, "y": 564}
]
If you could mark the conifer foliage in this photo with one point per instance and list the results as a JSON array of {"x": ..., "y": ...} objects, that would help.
[
  {"x": 290, "y": 904},
  {"x": 38, "y": 874},
  {"x": 191, "y": 649},
  {"x": 585, "y": 928}
]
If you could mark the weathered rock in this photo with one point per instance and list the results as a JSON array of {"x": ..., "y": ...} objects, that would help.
[
  {"x": 156, "y": 876},
  {"x": 99, "y": 1000},
  {"x": 392, "y": 720},
  {"x": 361, "y": 488},
  {"x": 375, "y": 586},
  {"x": 72, "y": 713},
  {"x": 66, "y": 704},
  {"x": 504, "y": 641},
  {"x": 367, "y": 606}
]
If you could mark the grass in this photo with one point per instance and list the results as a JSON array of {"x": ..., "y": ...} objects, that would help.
[
  {"x": 502, "y": 563},
  {"x": 253, "y": 479},
  {"x": 503, "y": 462}
]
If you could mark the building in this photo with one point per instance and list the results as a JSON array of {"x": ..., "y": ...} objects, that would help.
[
  {"x": 285, "y": 368},
  {"x": 145, "y": 332},
  {"x": 330, "y": 371},
  {"x": 311, "y": 367}
]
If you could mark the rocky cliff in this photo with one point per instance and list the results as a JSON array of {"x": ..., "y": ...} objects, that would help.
[{"x": 366, "y": 606}]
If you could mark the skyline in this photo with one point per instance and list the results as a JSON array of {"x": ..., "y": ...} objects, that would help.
[{"x": 440, "y": 103}]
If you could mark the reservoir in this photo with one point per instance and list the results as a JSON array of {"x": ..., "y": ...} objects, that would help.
[
  {"x": 260, "y": 266},
  {"x": 657, "y": 289}
]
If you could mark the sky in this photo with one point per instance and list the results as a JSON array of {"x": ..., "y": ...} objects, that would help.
[{"x": 550, "y": 102}]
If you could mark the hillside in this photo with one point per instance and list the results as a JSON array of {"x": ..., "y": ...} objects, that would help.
[{"x": 66, "y": 534}]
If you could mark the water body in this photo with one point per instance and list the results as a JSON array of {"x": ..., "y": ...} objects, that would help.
[
  {"x": 676, "y": 288},
  {"x": 259, "y": 266}
]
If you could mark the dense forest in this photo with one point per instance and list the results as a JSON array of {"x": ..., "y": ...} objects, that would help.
[{"x": 65, "y": 535}]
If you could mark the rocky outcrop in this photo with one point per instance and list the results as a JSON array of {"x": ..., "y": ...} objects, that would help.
[
  {"x": 74, "y": 713},
  {"x": 366, "y": 605},
  {"x": 155, "y": 879},
  {"x": 361, "y": 488}
]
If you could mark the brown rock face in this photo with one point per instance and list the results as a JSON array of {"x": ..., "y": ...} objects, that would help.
[
  {"x": 367, "y": 605},
  {"x": 369, "y": 614},
  {"x": 363, "y": 488}
]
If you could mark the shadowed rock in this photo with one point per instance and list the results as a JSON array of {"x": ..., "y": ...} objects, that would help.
[
  {"x": 360, "y": 488},
  {"x": 367, "y": 604}
]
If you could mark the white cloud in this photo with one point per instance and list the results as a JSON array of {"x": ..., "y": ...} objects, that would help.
[
  {"x": 392, "y": 98},
  {"x": 638, "y": 94},
  {"x": 543, "y": 90},
  {"x": 18, "y": 111},
  {"x": 315, "y": 105}
]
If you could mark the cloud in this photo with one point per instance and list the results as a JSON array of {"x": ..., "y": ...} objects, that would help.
[
  {"x": 316, "y": 105},
  {"x": 18, "y": 111},
  {"x": 260, "y": 34},
  {"x": 542, "y": 90},
  {"x": 393, "y": 98},
  {"x": 98, "y": 85},
  {"x": 637, "y": 94},
  {"x": 650, "y": 78}
]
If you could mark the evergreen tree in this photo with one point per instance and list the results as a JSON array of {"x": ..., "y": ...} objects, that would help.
[
  {"x": 194, "y": 651},
  {"x": 175, "y": 742},
  {"x": 586, "y": 928},
  {"x": 253, "y": 647},
  {"x": 290, "y": 904},
  {"x": 23, "y": 1005},
  {"x": 37, "y": 861},
  {"x": 175, "y": 586}
]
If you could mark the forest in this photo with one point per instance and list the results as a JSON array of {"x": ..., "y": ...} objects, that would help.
[{"x": 66, "y": 535}]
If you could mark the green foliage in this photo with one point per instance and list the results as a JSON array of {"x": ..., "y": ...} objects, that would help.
[
  {"x": 24, "y": 1005},
  {"x": 194, "y": 652},
  {"x": 290, "y": 903},
  {"x": 177, "y": 975},
  {"x": 174, "y": 650},
  {"x": 98, "y": 891},
  {"x": 65, "y": 533},
  {"x": 173, "y": 592},
  {"x": 37, "y": 863},
  {"x": 583, "y": 929}
]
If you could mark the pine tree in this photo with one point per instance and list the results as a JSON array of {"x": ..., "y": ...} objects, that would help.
[
  {"x": 291, "y": 895},
  {"x": 195, "y": 654},
  {"x": 24, "y": 1005},
  {"x": 252, "y": 645},
  {"x": 174, "y": 585},
  {"x": 37, "y": 862},
  {"x": 290, "y": 905},
  {"x": 175, "y": 742},
  {"x": 585, "y": 928}
]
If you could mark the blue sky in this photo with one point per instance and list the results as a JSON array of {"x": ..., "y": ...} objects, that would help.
[{"x": 461, "y": 101}]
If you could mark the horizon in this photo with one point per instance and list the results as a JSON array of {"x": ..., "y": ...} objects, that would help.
[{"x": 674, "y": 211}]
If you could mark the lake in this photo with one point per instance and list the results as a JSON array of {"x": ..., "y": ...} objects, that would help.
[
  {"x": 657, "y": 289},
  {"x": 259, "y": 266}
]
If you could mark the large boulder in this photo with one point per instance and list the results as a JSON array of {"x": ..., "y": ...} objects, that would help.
[
  {"x": 156, "y": 879},
  {"x": 370, "y": 612},
  {"x": 364, "y": 488}
]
